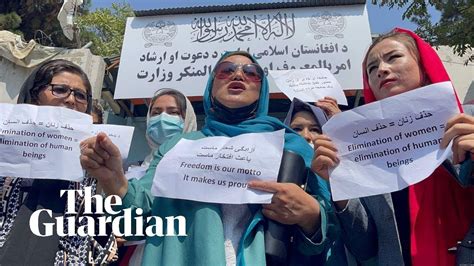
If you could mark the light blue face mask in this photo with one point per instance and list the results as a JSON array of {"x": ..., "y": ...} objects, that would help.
[{"x": 163, "y": 126}]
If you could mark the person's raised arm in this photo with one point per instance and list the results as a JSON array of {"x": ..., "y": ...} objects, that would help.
[
  {"x": 102, "y": 160},
  {"x": 329, "y": 106},
  {"x": 358, "y": 228},
  {"x": 290, "y": 205},
  {"x": 461, "y": 129},
  {"x": 325, "y": 157}
]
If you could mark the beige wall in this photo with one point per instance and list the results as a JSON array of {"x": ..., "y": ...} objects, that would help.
[
  {"x": 461, "y": 75},
  {"x": 12, "y": 76}
]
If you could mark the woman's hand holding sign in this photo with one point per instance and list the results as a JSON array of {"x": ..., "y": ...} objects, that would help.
[
  {"x": 102, "y": 159},
  {"x": 325, "y": 156},
  {"x": 329, "y": 105},
  {"x": 461, "y": 129},
  {"x": 290, "y": 205}
]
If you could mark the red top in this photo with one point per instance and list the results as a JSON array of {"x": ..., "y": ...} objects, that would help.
[{"x": 440, "y": 209}]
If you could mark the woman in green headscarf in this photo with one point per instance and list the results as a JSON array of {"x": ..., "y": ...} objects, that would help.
[{"x": 235, "y": 102}]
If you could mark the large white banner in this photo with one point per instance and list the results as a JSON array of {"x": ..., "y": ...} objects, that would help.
[
  {"x": 179, "y": 51},
  {"x": 390, "y": 144}
]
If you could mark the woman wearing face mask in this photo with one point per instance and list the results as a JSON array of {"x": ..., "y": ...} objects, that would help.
[
  {"x": 54, "y": 83},
  {"x": 417, "y": 225},
  {"x": 235, "y": 102},
  {"x": 170, "y": 113}
]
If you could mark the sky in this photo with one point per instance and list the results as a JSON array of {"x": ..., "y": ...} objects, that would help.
[{"x": 381, "y": 19}]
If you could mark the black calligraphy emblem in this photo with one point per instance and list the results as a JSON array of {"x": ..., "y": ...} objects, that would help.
[
  {"x": 242, "y": 28},
  {"x": 327, "y": 24},
  {"x": 159, "y": 33}
]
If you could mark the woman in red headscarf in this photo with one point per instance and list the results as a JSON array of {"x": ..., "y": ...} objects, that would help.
[{"x": 417, "y": 225}]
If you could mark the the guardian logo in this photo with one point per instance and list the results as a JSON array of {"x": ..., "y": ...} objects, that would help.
[{"x": 126, "y": 222}]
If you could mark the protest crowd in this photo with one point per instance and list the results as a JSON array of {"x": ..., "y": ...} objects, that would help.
[{"x": 301, "y": 222}]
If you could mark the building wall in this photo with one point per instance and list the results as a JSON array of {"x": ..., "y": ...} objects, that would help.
[
  {"x": 461, "y": 75},
  {"x": 12, "y": 76}
]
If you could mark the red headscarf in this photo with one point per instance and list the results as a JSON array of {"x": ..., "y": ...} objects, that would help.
[{"x": 440, "y": 209}]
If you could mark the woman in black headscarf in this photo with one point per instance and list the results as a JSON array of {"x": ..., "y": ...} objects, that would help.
[{"x": 307, "y": 120}]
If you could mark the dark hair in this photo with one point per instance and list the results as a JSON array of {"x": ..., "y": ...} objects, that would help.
[
  {"x": 307, "y": 109},
  {"x": 47, "y": 71},
  {"x": 242, "y": 53},
  {"x": 177, "y": 95},
  {"x": 98, "y": 110},
  {"x": 302, "y": 108}
]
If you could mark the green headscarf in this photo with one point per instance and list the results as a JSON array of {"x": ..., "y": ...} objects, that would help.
[{"x": 260, "y": 123}]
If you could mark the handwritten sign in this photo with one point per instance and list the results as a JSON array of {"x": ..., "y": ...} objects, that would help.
[
  {"x": 120, "y": 136},
  {"x": 308, "y": 85},
  {"x": 217, "y": 169},
  {"x": 390, "y": 144},
  {"x": 180, "y": 50},
  {"x": 41, "y": 141}
]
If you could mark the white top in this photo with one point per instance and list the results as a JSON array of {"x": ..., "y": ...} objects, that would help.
[{"x": 235, "y": 218}]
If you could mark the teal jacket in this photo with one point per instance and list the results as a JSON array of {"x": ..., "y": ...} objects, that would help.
[{"x": 204, "y": 243}]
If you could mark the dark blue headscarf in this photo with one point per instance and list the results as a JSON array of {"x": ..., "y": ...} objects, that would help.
[{"x": 260, "y": 123}]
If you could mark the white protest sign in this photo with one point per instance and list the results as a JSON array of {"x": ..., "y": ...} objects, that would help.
[
  {"x": 217, "y": 169},
  {"x": 41, "y": 141},
  {"x": 308, "y": 85},
  {"x": 120, "y": 136},
  {"x": 390, "y": 144},
  {"x": 135, "y": 172},
  {"x": 180, "y": 50}
]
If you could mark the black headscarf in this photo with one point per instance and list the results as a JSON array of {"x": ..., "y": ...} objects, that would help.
[{"x": 298, "y": 105}]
